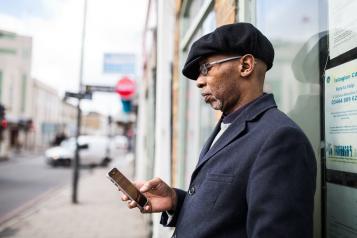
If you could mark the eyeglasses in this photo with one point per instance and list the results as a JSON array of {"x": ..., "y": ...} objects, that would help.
[{"x": 204, "y": 68}]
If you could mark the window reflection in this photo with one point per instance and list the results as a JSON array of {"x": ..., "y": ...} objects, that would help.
[
  {"x": 297, "y": 30},
  {"x": 290, "y": 25}
]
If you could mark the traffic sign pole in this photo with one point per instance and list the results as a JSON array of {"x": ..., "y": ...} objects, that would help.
[{"x": 79, "y": 114}]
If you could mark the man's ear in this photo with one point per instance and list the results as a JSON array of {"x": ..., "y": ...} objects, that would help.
[{"x": 248, "y": 64}]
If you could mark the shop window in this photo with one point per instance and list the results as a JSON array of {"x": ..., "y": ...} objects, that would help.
[
  {"x": 201, "y": 117},
  {"x": 297, "y": 30},
  {"x": 340, "y": 119},
  {"x": 191, "y": 9},
  {"x": 314, "y": 80}
]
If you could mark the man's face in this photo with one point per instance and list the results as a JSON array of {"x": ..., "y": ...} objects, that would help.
[{"x": 220, "y": 87}]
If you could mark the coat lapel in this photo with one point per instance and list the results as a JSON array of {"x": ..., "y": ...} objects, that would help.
[
  {"x": 208, "y": 143},
  {"x": 230, "y": 134},
  {"x": 234, "y": 130}
]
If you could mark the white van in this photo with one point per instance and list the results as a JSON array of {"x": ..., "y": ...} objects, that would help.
[{"x": 95, "y": 153}]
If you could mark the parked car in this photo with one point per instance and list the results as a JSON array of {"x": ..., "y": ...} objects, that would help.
[{"x": 94, "y": 151}]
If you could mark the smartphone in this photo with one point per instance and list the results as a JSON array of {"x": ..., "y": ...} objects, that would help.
[{"x": 127, "y": 187}]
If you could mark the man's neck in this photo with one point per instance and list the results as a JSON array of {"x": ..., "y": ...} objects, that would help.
[
  {"x": 229, "y": 118},
  {"x": 244, "y": 100}
]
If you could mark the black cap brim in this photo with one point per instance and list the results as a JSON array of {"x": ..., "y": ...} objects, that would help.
[{"x": 191, "y": 69}]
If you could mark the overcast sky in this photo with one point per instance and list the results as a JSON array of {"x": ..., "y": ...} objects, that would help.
[{"x": 55, "y": 27}]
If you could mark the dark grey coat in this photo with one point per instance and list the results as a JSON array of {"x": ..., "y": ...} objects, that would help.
[{"x": 258, "y": 180}]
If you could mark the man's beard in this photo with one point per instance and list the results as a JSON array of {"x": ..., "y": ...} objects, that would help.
[{"x": 216, "y": 104}]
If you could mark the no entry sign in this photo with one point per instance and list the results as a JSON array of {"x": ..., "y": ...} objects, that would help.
[{"x": 125, "y": 87}]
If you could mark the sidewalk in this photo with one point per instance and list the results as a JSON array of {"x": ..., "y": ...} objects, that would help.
[
  {"x": 15, "y": 156},
  {"x": 99, "y": 214}
]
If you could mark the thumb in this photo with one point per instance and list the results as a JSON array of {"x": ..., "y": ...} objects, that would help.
[
  {"x": 138, "y": 184},
  {"x": 150, "y": 185}
]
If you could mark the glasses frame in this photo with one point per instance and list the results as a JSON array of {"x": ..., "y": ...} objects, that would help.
[{"x": 204, "y": 68}]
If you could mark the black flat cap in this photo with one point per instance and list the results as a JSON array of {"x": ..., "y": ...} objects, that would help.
[{"x": 238, "y": 39}]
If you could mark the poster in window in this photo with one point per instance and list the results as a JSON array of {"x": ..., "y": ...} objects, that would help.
[
  {"x": 341, "y": 117},
  {"x": 343, "y": 26}
]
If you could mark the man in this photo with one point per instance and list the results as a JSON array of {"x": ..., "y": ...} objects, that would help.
[{"x": 256, "y": 173}]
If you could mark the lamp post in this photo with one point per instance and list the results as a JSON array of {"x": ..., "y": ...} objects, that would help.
[{"x": 79, "y": 112}]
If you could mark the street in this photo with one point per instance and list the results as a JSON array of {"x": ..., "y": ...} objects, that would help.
[
  {"x": 25, "y": 180},
  {"x": 99, "y": 213}
]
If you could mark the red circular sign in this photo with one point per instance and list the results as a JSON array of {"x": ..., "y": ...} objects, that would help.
[
  {"x": 125, "y": 87},
  {"x": 3, "y": 123}
]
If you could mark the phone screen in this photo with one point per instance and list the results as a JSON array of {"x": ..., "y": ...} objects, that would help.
[{"x": 127, "y": 187}]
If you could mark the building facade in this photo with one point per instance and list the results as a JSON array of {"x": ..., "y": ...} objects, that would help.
[
  {"x": 51, "y": 116},
  {"x": 69, "y": 118},
  {"x": 154, "y": 124},
  {"x": 46, "y": 111},
  {"x": 313, "y": 80},
  {"x": 94, "y": 123},
  {"x": 16, "y": 89}
]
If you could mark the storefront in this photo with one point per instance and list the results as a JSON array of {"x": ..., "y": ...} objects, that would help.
[{"x": 314, "y": 81}]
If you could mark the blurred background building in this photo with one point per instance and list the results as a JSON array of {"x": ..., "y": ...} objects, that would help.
[
  {"x": 51, "y": 116},
  {"x": 94, "y": 123},
  {"x": 15, "y": 89}
]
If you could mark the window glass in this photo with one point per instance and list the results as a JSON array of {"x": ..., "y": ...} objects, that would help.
[
  {"x": 292, "y": 26},
  {"x": 207, "y": 115},
  {"x": 294, "y": 29},
  {"x": 297, "y": 30},
  {"x": 199, "y": 117},
  {"x": 193, "y": 7},
  {"x": 340, "y": 119}
]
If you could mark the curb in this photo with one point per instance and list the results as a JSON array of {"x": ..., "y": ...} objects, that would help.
[{"x": 30, "y": 204}]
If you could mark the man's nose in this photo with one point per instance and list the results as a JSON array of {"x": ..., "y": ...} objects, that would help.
[{"x": 201, "y": 81}]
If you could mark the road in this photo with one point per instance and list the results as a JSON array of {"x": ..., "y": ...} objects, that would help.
[{"x": 24, "y": 180}]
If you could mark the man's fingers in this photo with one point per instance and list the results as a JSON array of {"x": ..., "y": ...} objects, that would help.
[
  {"x": 124, "y": 198},
  {"x": 132, "y": 204},
  {"x": 150, "y": 185},
  {"x": 147, "y": 208}
]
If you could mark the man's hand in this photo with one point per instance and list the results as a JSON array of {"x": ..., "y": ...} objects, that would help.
[{"x": 160, "y": 195}]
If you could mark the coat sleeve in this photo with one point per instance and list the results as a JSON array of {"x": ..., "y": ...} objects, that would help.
[
  {"x": 180, "y": 194},
  {"x": 281, "y": 187}
]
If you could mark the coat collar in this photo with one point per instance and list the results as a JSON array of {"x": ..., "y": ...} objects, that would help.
[
  {"x": 228, "y": 119},
  {"x": 249, "y": 113}
]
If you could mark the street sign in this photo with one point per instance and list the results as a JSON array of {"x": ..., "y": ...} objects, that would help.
[
  {"x": 125, "y": 87},
  {"x": 86, "y": 95},
  {"x": 127, "y": 105},
  {"x": 98, "y": 88},
  {"x": 119, "y": 63},
  {"x": 71, "y": 95}
]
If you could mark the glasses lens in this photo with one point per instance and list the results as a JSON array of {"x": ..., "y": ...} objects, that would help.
[{"x": 203, "y": 69}]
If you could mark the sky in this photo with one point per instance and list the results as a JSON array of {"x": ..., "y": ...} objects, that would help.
[{"x": 113, "y": 26}]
